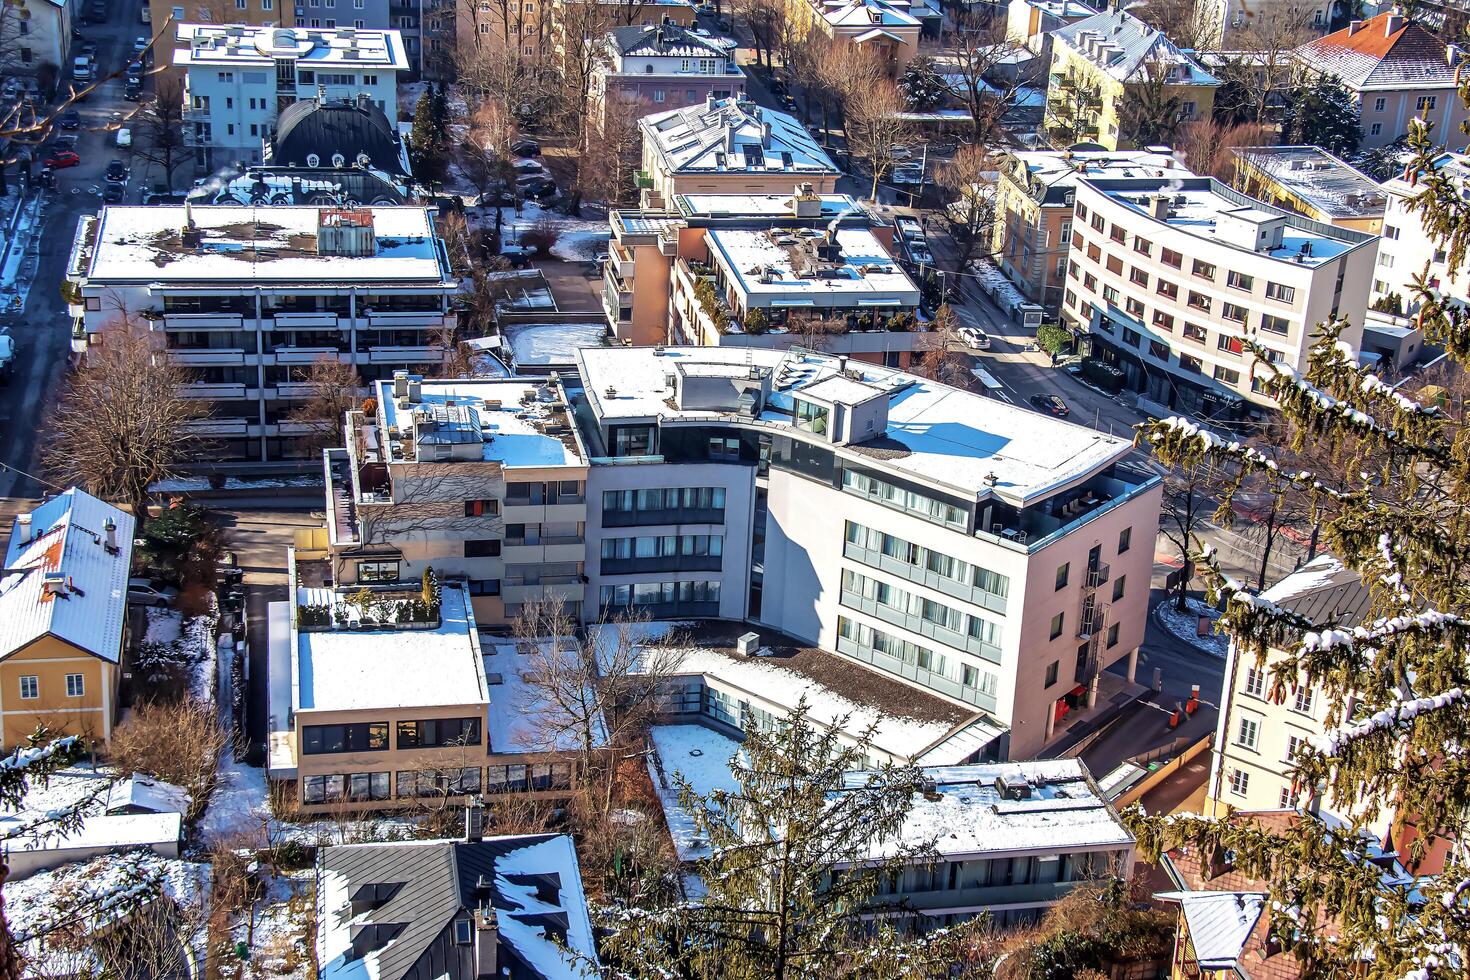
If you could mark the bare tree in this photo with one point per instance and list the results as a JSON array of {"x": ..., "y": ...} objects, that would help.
[
  {"x": 1152, "y": 112},
  {"x": 766, "y": 19},
  {"x": 970, "y": 178},
  {"x": 457, "y": 357},
  {"x": 1191, "y": 24},
  {"x": 1209, "y": 145},
  {"x": 616, "y": 143},
  {"x": 596, "y": 694},
  {"x": 1072, "y": 106},
  {"x": 946, "y": 357},
  {"x": 1262, "y": 67},
  {"x": 160, "y": 129},
  {"x": 180, "y": 742},
  {"x": 487, "y": 155},
  {"x": 333, "y": 389},
  {"x": 583, "y": 24},
  {"x": 979, "y": 46},
  {"x": 123, "y": 422},
  {"x": 875, "y": 128},
  {"x": 1188, "y": 504}
]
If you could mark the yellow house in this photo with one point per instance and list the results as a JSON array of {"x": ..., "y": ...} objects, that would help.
[
  {"x": 1100, "y": 63},
  {"x": 63, "y": 618},
  {"x": 883, "y": 27},
  {"x": 1311, "y": 182}
]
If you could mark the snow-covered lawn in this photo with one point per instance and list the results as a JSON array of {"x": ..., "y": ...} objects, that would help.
[
  {"x": 581, "y": 238},
  {"x": 1185, "y": 625},
  {"x": 172, "y": 641},
  {"x": 277, "y": 934}
]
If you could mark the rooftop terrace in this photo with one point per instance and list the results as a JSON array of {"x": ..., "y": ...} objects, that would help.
[
  {"x": 801, "y": 267},
  {"x": 514, "y": 423},
  {"x": 246, "y": 44}
]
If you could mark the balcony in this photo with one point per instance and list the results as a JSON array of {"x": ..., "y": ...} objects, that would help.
[
  {"x": 219, "y": 427},
  {"x": 915, "y": 674},
  {"x": 304, "y": 355},
  {"x": 203, "y": 321},
  {"x": 315, "y": 320},
  {"x": 646, "y": 518},
  {"x": 667, "y": 563},
  {"x": 294, "y": 389},
  {"x": 558, "y": 513},
  {"x": 921, "y": 626},
  {"x": 1097, "y": 577},
  {"x": 424, "y": 354},
  {"x": 564, "y": 591},
  {"x": 1091, "y": 620},
  {"x": 400, "y": 319},
  {"x": 207, "y": 356},
  {"x": 923, "y": 576},
  {"x": 206, "y": 389}
]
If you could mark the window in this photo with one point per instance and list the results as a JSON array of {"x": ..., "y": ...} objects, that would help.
[
  {"x": 1143, "y": 245},
  {"x": 1062, "y": 574},
  {"x": 1066, "y": 230},
  {"x": 482, "y": 548},
  {"x": 1051, "y": 672},
  {"x": 481, "y": 508},
  {"x": 1376, "y": 129},
  {"x": 484, "y": 586},
  {"x": 1071, "y": 298},
  {"x": 1098, "y": 224},
  {"x": 1119, "y": 234},
  {"x": 1426, "y": 103},
  {"x": 1226, "y": 342},
  {"x": 1275, "y": 324},
  {"x": 1286, "y": 799},
  {"x": 1081, "y": 210},
  {"x": 1285, "y": 294},
  {"x": 1056, "y": 625},
  {"x": 1134, "y": 307},
  {"x": 1119, "y": 586},
  {"x": 1379, "y": 105},
  {"x": 1164, "y": 321},
  {"x": 1385, "y": 260},
  {"x": 1239, "y": 781},
  {"x": 1389, "y": 231},
  {"x": 1139, "y": 276},
  {"x": 1199, "y": 301},
  {"x": 1189, "y": 362},
  {"x": 1125, "y": 540},
  {"x": 1231, "y": 311},
  {"x": 1186, "y": 110},
  {"x": 368, "y": 736},
  {"x": 1113, "y": 635},
  {"x": 1226, "y": 375},
  {"x": 1094, "y": 253},
  {"x": 890, "y": 495},
  {"x": 1158, "y": 350},
  {"x": 1293, "y": 744},
  {"x": 1166, "y": 288},
  {"x": 75, "y": 686},
  {"x": 1303, "y": 700},
  {"x": 1172, "y": 258},
  {"x": 438, "y": 732},
  {"x": 1115, "y": 265},
  {"x": 1195, "y": 332},
  {"x": 30, "y": 687},
  {"x": 377, "y": 571},
  {"x": 1131, "y": 337},
  {"x": 1247, "y": 733},
  {"x": 464, "y": 932},
  {"x": 1204, "y": 270},
  {"x": 1239, "y": 280},
  {"x": 1089, "y": 281},
  {"x": 370, "y": 79}
]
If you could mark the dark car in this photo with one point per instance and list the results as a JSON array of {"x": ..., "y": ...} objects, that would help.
[
  {"x": 116, "y": 171},
  {"x": 62, "y": 160},
  {"x": 70, "y": 119},
  {"x": 113, "y": 194},
  {"x": 526, "y": 148},
  {"x": 133, "y": 90},
  {"x": 1051, "y": 405}
]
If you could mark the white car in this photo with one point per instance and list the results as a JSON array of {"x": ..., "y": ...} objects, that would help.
[
  {"x": 974, "y": 338},
  {"x": 900, "y": 153},
  {"x": 146, "y": 592}
]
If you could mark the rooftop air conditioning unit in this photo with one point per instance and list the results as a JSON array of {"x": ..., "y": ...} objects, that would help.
[
  {"x": 1013, "y": 786},
  {"x": 748, "y": 644}
]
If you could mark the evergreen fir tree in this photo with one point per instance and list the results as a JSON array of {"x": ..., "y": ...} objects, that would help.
[
  {"x": 1392, "y": 489},
  {"x": 427, "y": 138},
  {"x": 1322, "y": 112},
  {"x": 791, "y": 871},
  {"x": 923, "y": 88}
]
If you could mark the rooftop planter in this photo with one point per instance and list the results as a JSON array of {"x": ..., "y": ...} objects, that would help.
[{"x": 397, "y": 606}]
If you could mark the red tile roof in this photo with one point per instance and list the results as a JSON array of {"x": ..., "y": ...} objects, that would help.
[{"x": 1372, "y": 57}]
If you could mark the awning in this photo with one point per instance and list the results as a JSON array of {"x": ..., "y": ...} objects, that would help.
[
  {"x": 877, "y": 302},
  {"x": 793, "y": 302}
]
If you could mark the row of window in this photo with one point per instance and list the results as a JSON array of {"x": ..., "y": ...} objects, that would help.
[
  {"x": 372, "y": 736},
  {"x": 30, "y": 686},
  {"x": 1240, "y": 782},
  {"x": 658, "y": 593},
  {"x": 664, "y": 498},
  {"x": 1248, "y": 734},
  {"x": 1255, "y": 686},
  {"x": 925, "y": 558},
  {"x": 664, "y": 546},
  {"x": 924, "y": 608},
  {"x": 356, "y": 787},
  {"x": 521, "y": 493},
  {"x": 911, "y": 501},
  {"x": 1160, "y": 351},
  {"x": 915, "y": 655}
]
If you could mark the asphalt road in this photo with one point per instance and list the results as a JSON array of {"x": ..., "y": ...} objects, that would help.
[{"x": 43, "y": 329}]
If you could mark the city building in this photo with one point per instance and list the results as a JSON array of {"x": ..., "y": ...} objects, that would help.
[
  {"x": 1008, "y": 839},
  {"x": 1406, "y": 250},
  {"x": 381, "y": 699},
  {"x": 1232, "y": 24},
  {"x": 238, "y": 80},
  {"x": 1167, "y": 277},
  {"x": 312, "y": 132},
  {"x": 1398, "y": 70},
  {"x": 1031, "y": 23},
  {"x": 1260, "y": 728},
  {"x": 466, "y": 909},
  {"x": 63, "y": 606},
  {"x": 729, "y": 146},
  {"x": 1100, "y": 63},
  {"x": 663, "y": 67},
  {"x": 165, "y": 17},
  {"x": 889, "y": 28},
  {"x": 1311, "y": 182},
  {"x": 977, "y": 550},
  {"x": 1033, "y": 210},
  {"x": 248, "y": 298},
  {"x": 647, "y": 244},
  {"x": 38, "y": 36}
]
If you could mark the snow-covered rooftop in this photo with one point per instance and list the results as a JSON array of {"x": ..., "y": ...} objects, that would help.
[
  {"x": 1220, "y": 924},
  {"x": 61, "y": 578},
  {"x": 260, "y": 245},
  {"x": 107, "y": 831},
  {"x": 867, "y": 13},
  {"x": 248, "y": 45},
  {"x": 1049, "y": 172},
  {"x": 552, "y": 344},
  {"x": 1127, "y": 49},
  {"x": 143, "y": 792},
  {"x": 702, "y": 757},
  {"x": 757, "y": 205},
  {"x": 351, "y": 670},
  {"x": 735, "y": 135},
  {"x": 1389, "y": 51},
  {"x": 521, "y": 720},
  {"x": 942, "y": 434},
  {"x": 1330, "y": 186},
  {"x": 778, "y": 267},
  {"x": 1198, "y": 206},
  {"x": 524, "y": 429},
  {"x": 1324, "y": 591}
]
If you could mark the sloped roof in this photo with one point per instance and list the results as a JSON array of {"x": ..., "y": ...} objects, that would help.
[
  {"x": 67, "y": 536},
  {"x": 1220, "y": 924},
  {"x": 865, "y": 13},
  {"x": 535, "y": 889},
  {"x": 1323, "y": 591},
  {"x": 1373, "y": 57},
  {"x": 1130, "y": 45},
  {"x": 663, "y": 40},
  {"x": 734, "y": 135},
  {"x": 356, "y": 129},
  {"x": 143, "y": 792}
]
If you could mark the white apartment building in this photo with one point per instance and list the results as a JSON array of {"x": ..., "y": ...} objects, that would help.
[
  {"x": 983, "y": 552},
  {"x": 1405, "y": 249},
  {"x": 248, "y": 298},
  {"x": 1166, "y": 277},
  {"x": 238, "y": 78}
]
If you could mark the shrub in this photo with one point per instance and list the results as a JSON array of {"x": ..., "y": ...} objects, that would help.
[
  {"x": 370, "y": 406},
  {"x": 1053, "y": 338},
  {"x": 541, "y": 236},
  {"x": 756, "y": 322},
  {"x": 179, "y": 742}
]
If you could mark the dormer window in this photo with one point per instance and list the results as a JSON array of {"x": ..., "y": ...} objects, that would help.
[{"x": 464, "y": 932}]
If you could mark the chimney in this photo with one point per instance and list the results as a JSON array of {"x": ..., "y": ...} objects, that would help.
[
  {"x": 1354, "y": 26},
  {"x": 191, "y": 236},
  {"x": 23, "y": 528},
  {"x": 1160, "y": 207},
  {"x": 807, "y": 203},
  {"x": 415, "y": 390},
  {"x": 1394, "y": 22},
  {"x": 487, "y": 942},
  {"x": 109, "y": 536},
  {"x": 474, "y": 822},
  {"x": 400, "y": 384}
]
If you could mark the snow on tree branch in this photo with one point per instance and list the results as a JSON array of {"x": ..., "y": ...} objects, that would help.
[
  {"x": 1334, "y": 740},
  {"x": 28, "y": 756}
]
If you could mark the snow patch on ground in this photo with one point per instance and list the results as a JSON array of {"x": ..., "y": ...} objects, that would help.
[
  {"x": 1185, "y": 625},
  {"x": 172, "y": 641},
  {"x": 194, "y": 484},
  {"x": 581, "y": 238},
  {"x": 996, "y": 285}
]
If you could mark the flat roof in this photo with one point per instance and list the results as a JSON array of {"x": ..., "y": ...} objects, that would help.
[
  {"x": 1319, "y": 179},
  {"x": 350, "y": 670},
  {"x": 526, "y": 428},
  {"x": 269, "y": 244},
  {"x": 758, "y": 205},
  {"x": 263, "y": 44},
  {"x": 518, "y": 711},
  {"x": 549, "y": 344},
  {"x": 945, "y": 435},
  {"x": 863, "y": 267}
]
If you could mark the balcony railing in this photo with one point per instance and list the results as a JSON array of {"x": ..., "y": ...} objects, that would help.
[
  {"x": 1097, "y": 576},
  {"x": 207, "y": 356}
]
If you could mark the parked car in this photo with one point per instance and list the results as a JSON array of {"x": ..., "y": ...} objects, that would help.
[
  {"x": 724, "y": 24},
  {"x": 116, "y": 171},
  {"x": 705, "y": 10},
  {"x": 541, "y": 190},
  {"x": 88, "y": 48},
  {"x": 974, "y": 338},
  {"x": 1051, "y": 405},
  {"x": 900, "y": 153},
  {"x": 81, "y": 69},
  {"x": 133, "y": 89},
  {"x": 113, "y": 194},
  {"x": 147, "y": 592},
  {"x": 124, "y": 138},
  {"x": 920, "y": 255},
  {"x": 140, "y": 47},
  {"x": 519, "y": 256},
  {"x": 7, "y": 355},
  {"x": 66, "y": 141},
  {"x": 70, "y": 119},
  {"x": 908, "y": 173},
  {"x": 526, "y": 148},
  {"x": 62, "y": 160}
]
